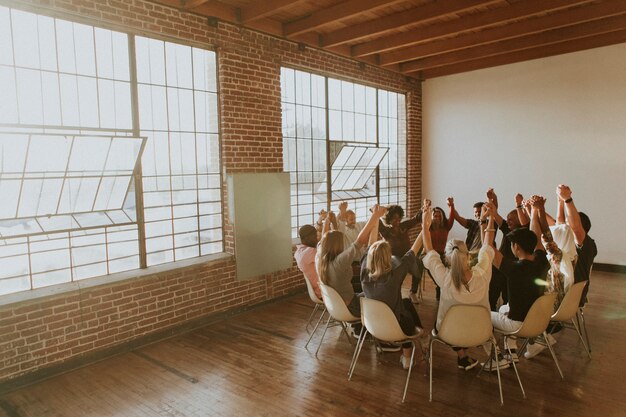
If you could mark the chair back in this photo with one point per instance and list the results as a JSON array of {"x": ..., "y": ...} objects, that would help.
[
  {"x": 335, "y": 305},
  {"x": 380, "y": 321},
  {"x": 466, "y": 325},
  {"x": 538, "y": 316},
  {"x": 569, "y": 306},
  {"x": 311, "y": 291}
]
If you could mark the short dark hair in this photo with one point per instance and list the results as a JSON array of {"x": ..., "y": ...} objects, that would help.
[
  {"x": 585, "y": 221},
  {"x": 392, "y": 211},
  {"x": 525, "y": 238},
  {"x": 308, "y": 235},
  {"x": 478, "y": 205}
]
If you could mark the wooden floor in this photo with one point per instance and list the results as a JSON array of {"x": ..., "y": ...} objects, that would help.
[{"x": 255, "y": 364}]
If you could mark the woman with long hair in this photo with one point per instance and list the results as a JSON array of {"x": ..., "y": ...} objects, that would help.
[
  {"x": 439, "y": 229},
  {"x": 334, "y": 261},
  {"x": 383, "y": 282},
  {"x": 459, "y": 283}
]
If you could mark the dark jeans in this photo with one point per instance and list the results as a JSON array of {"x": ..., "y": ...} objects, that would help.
[
  {"x": 409, "y": 320},
  {"x": 497, "y": 286}
]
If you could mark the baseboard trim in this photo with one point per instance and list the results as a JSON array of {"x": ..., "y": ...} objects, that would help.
[
  {"x": 39, "y": 375},
  {"x": 619, "y": 269}
]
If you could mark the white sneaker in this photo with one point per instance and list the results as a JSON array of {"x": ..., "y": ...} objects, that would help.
[
  {"x": 405, "y": 362},
  {"x": 491, "y": 365},
  {"x": 418, "y": 331},
  {"x": 536, "y": 348}
]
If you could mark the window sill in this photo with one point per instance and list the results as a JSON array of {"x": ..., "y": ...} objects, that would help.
[{"x": 59, "y": 289}]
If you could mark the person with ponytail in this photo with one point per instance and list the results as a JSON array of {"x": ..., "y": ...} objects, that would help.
[
  {"x": 382, "y": 281},
  {"x": 459, "y": 283},
  {"x": 334, "y": 261}
]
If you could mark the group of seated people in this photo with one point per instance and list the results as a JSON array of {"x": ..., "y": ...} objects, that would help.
[{"x": 537, "y": 254}]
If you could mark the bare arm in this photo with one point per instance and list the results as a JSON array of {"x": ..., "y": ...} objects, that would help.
[
  {"x": 535, "y": 227},
  {"x": 488, "y": 233},
  {"x": 519, "y": 208},
  {"x": 417, "y": 245},
  {"x": 364, "y": 234},
  {"x": 560, "y": 211},
  {"x": 455, "y": 214},
  {"x": 427, "y": 218},
  {"x": 374, "y": 233},
  {"x": 343, "y": 208},
  {"x": 571, "y": 214}
]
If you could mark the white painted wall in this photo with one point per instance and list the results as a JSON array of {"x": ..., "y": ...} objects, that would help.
[{"x": 527, "y": 127}]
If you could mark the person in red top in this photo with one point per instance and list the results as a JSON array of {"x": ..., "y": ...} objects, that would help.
[{"x": 439, "y": 229}]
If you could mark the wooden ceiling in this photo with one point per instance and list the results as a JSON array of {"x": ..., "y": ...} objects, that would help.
[{"x": 429, "y": 38}]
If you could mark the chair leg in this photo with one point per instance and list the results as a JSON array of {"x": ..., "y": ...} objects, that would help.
[
  {"x": 323, "y": 334},
  {"x": 357, "y": 352},
  {"x": 408, "y": 376},
  {"x": 556, "y": 361},
  {"x": 580, "y": 317},
  {"x": 344, "y": 331},
  {"x": 494, "y": 352},
  {"x": 577, "y": 328},
  {"x": 430, "y": 367},
  {"x": 519, "y": 380},
  {"x": 315, "y": 328},
  {"x": 308, "y": 323}
]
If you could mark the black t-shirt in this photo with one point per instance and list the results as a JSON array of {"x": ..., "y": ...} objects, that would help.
[
  {"x": 505, "y": 244},
  {"x": 586, "y": 254},
  {"x": 525, "y": 282}
]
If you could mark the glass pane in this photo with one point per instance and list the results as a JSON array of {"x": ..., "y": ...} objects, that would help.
[
  {"x": 8, "y": 92},
  {"x": 47, "y": 43},
  {"x": 65, "y": 46},
  {"x": 51, "y": 99},
  {"x": 6, "y": 39},
  {"x": 48, "y": 154},
  {"x": 29, "y": 96},
  {"x": 85, "y": 54},
  {"x": 25, "y": 39}
]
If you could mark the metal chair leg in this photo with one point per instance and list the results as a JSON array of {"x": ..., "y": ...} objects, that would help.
[
  {"x": 495, "y": 356},
  {"x": 556, "y": 361},
  {"x": 408, "y": 376},
  {"x": 323, "y": 334},
  {"x": 583, "y": 326},
  {"x": 357, "y": 352},
  {"x": 430, "y": 370},
  {"x": 581, "y": 338},
  {"x": 316, "y": 326},
  {"x": 515, "y": 367},
  {"x": 308, "y": 323}
]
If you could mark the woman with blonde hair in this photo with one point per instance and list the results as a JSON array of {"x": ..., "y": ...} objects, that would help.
[
  {"x": 334, "y": 261},
  {"x": 459, "y": 283},
  {"x": 383, "y": 282}
]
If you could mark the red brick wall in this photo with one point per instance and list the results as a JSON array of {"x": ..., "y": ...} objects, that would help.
[{"x": 38, "y": 334}]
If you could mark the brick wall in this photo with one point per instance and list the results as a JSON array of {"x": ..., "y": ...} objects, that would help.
[{"x": 38, "y": 334}]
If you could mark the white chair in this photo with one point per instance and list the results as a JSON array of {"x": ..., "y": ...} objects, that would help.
[
  {"x": 465, "y": 325},
  {"x": 534, "y": 325},
  {"x": 568, "y": 310},
  {"x": 379, "y": 321},
  {"x": 337, "y": 311},
  {"x": 319, "y": 304}
]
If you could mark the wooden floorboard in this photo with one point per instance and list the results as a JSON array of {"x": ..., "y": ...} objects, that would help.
[{"x": 255, "y": 364}]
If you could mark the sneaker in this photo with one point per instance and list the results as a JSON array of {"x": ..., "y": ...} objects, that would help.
[
  {"x": 466, "y": 363},
  {"x": 536, "y": 348},
  {"x": 418, "y": 332},
  {"x": 512, "y": 357},
  {"x": 491, "y": 364},
  {"x": 405, "y": 362},
  {"x": 388, "y": 347},
  {"x": 414, "y": 298},
  {"x": 355, "y": 331}
]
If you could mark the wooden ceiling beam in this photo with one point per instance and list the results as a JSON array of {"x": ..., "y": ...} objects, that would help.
[
  {"x": 593, "y": 28},
  {"x": 192, "y": 4},
  {"x": 552, "y": 21},
  {"x": 476, "y": 21},
  {"x": 340, "y": 11},
  {"x": 260, "y": 9},
  {"x": 394, "y": 21},
  {"x": 569, "y": 46}
]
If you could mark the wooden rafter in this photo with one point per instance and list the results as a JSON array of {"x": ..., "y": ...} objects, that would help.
[
  {"x": 512, "y": 30},
  {"x": 260, "y": 9},
  {"x": 593, "y": 28},
  {"x": 606, "y": 39},
  {"x": 392, "y": 22},
  {"x": 479, "y": 20},
  {"x": 192, "y": 4},
  {"x": 332, "y": 14}
]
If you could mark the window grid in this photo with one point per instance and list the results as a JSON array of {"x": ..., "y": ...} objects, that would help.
[
  {"x": 355, "y": 118},
  {"x": 63, "y": 78}
]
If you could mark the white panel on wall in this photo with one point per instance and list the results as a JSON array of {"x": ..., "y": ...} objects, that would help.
[
  {"x": 260, "y": 212},
  {"x": 527, "y": 127}
]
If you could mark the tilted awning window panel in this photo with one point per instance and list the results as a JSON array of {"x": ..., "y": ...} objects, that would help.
[
  {"x": 354, "y": 166},
  {"x": 52, "y": 182}
]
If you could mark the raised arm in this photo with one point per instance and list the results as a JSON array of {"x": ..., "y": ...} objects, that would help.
[
  {"x": 560, "y": 209},
  {"x": 519, "y": 208},
  {"x": 417, "y": 244},
  {"x": 427, "y": 219},
  {"x": 488, "y": 230},
  {"x": 327, "y": 222},
  {"x": 374, "y": 232},
  {"x": 535, "y": 226},
  {"x": 364, "y": 234},
  {"x": 319, "y": 224},
  {"x": 455, "y": 214},
  {"x": 492, "y": 197},
  {"x": 343, "y": 208},
  {"x": 571, "y": 214}
]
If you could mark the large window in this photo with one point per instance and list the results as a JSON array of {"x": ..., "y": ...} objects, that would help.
[
  {"x": 342, "y": 141},
  {"x": 87, "y": 117}
]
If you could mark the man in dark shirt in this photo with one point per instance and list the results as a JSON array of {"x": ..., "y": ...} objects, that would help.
[{"x": 524, "y": 275}]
